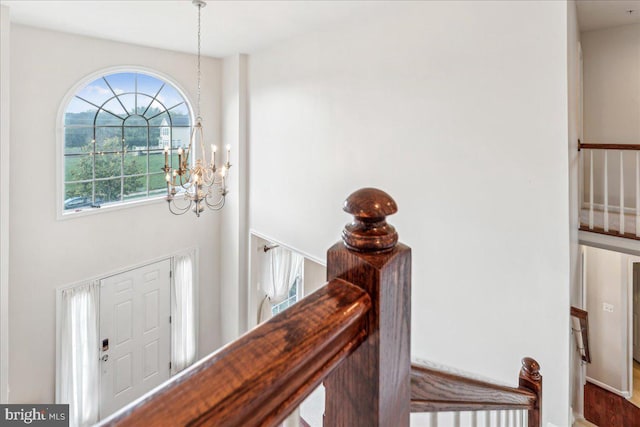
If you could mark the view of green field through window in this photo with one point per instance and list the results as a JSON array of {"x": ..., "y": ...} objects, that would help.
[{"x": 115, "y": 131}]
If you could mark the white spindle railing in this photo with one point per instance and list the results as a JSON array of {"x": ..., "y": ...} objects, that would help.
[
  {"x": 621, "y": 228},
  {"x": 606, "y": 192},
  {"x": 505, "y": 418},
  {"x": 591, "y": 190},
  {"x": 594, "y": 212},
  {"x": 637, "y": 193}
]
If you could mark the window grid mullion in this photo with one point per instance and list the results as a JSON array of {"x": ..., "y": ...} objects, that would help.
[
  {"x": 148, "y": 179},
  {"x": 122, "y": 143},
  {"x": 75, "y": 144}
]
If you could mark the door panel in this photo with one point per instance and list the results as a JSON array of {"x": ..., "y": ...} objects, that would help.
[{"x": 134, "y": 317}]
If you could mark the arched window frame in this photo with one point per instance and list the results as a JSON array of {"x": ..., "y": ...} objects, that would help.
[{"x": 60, "y": 140}]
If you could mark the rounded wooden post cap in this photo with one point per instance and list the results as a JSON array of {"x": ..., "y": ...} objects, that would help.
[
  {"x": 531, "y": 368},
  {"x": 369, "y": 231}
]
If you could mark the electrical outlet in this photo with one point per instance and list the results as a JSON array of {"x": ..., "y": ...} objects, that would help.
[{"x": 607, "y": 307}]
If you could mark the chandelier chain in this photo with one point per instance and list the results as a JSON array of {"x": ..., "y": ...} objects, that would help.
[
  {"x": 199, "y": 72},
  {"x": 196, "y": 184}
]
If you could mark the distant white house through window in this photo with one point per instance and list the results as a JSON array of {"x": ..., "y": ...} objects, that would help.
[{"x": 115, "y": 131}]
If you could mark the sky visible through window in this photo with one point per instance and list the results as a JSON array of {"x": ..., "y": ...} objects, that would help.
[{"x": 98, "y": 91}]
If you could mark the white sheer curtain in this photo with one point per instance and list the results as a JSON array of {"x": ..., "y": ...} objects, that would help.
[
  {"x": 183, "y": 333},
  {"x": 79, "y": 353},
  {"x": 285, "y": 267}
]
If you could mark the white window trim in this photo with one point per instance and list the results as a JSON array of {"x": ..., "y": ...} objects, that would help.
[{"x": 60, "y": 212}]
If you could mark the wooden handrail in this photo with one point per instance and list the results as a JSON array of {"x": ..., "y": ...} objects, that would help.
[
  {"x": 583, "y": 146},
  {"x": 265, "y": 374},
  {"x": 434, "y": 389},
  {"x": 353, "y": 334}
]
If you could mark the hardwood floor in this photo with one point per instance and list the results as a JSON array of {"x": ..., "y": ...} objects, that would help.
[
  {"x": 635, "y": 398},
  {"x": 607, "y": 409},
  {"x": 583, "y": 423}
]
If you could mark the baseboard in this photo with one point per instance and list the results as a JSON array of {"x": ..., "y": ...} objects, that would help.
[{"x": 625, "y": 394}]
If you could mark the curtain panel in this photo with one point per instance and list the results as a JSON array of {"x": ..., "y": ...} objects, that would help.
[
  {"x": 285, "y": 268},
  {"x": 79, "y": 353},
  {"x": 183, "y": 322}
]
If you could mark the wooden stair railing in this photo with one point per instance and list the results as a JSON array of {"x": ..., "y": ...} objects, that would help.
[
  {"x": 265, "y": 374},
  {"x": 353, "y": 335},
  {"x": 436, "y": 389}
]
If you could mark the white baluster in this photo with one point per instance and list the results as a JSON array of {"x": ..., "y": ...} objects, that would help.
[
  {"x": 590, "y": 189},
  {"x": 606, "y": 192},
  {"x": 433, "y": 419},
  {"x": 487, "y": 418},
  {"x": 525, "y": 419},
  {"x": 621, "y": 231},
  {"x": 499, "y": 418},
  {"x": 637, "y": 193},
  {"x": 456, "y": 419},
  {"x": 474, "y": 419}
]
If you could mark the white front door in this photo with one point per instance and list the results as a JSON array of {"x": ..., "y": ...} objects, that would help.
[{"x": 134, "y": 334}]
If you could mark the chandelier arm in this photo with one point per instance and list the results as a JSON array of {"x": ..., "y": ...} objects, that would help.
[
  {"x": 209, "y": 178},
  {"x": 185, "y": 184},
  {"x": 212, "y": 178},
  {"x": 219, "y": 203},
  {"x": 177, "y": 210}
]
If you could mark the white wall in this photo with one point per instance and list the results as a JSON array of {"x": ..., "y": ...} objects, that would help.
[
  {"x": 4, "y": 199},
  {"x": 611, "y": 82},
  {"x": 259, "y": 265},
  {"x": 575, "y": 132},
  {"x": 47, "y": 253},
  {"x": 612, "y": 103},
  {"x": 459, "y": 111},
  {"x": 234, "y": 216},
  {"x": 315, "y": 276},
  {"x": 608, "y": 277}
]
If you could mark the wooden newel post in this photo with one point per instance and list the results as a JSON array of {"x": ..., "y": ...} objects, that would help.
[
  {"x": 530, "y": 379},
  {"x": 372, "y": 386}
]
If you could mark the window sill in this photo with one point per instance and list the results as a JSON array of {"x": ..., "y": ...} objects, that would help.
[{"x": 79, "y": 213}]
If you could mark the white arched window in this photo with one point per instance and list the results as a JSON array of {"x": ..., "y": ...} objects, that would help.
[{"x": 115, "y": 130}]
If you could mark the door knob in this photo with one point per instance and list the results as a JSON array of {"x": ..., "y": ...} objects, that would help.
[{"x": 105, "y": 358}]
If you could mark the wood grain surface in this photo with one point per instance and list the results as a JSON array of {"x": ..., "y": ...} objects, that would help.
[{"x": 260, "y": 378}]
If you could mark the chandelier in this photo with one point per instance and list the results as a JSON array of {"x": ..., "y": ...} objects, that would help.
[{"x": 196, "y": 187}]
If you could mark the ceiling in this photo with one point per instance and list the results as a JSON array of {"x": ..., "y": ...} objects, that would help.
[
  {"x": 599, "y": 14},
  {"x": 228, "y": 27}
]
